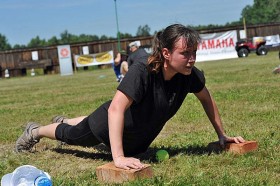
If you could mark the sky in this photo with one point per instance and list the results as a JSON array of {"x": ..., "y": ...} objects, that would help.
[{"x": 22, "y": 20}]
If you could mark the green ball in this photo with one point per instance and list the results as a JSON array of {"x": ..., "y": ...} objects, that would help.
[{"x": 162, "y": 155}]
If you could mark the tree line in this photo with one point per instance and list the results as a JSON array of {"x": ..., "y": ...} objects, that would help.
[
  {"x": 262, "y": 11},
  {"x": 68, "y": 38}
]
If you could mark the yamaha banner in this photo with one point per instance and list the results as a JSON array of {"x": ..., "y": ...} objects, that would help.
[{"x": 217, "y": 46}]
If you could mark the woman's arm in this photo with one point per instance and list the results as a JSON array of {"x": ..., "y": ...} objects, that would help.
[
  {"x": 116, "y": 112},
  {"x": 212, "y": 112}
]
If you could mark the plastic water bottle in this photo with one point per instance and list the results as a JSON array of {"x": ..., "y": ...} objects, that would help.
[{"x": 26, "y": 175}]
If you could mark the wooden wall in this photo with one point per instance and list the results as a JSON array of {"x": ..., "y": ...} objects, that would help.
[{"x": 13, "y": 60}]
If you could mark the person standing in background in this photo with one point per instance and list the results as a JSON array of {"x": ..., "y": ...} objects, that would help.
[{"x": 137, "y": 55}]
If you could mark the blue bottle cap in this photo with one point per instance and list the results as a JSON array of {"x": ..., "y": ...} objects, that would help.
[{"x": 43, "y": 181}]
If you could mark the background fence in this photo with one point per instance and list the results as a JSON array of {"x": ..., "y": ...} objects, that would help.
[{"x": 19, "y": 61}]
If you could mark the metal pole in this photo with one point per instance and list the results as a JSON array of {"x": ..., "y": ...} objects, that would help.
[
  {"x": 245, "y": 29},
  {"x": 118, "y": 32}
]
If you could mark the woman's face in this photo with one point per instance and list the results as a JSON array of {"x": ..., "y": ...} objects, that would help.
[{"x": 181, "y": 59}]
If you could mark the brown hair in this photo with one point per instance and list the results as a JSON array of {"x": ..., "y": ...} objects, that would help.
[{"x": 167, "y": 39}]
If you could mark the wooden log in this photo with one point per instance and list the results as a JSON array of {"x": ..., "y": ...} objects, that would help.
[
  {"x": 236, "y": 148},
  {"x": 110, "y": 174}
]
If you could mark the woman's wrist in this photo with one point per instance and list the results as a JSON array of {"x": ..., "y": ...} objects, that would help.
[
  {"x": 118, "y": 156},
  {"x": 222, "y": 135}
]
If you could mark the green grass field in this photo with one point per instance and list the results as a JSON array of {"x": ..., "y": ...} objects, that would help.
[{"x": 246, "y": 92}]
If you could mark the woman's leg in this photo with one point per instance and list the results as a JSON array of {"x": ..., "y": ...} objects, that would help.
[
  {"x": 32, "y": 135},
  {"x": 47, "y": 131},
  {"x": 74, "y": 121},
  {"x": 77, "y": 134},
  {"x": 70, "y": 121}
]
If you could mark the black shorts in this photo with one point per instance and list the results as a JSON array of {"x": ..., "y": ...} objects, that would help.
[{"x": 79, "y": 134}]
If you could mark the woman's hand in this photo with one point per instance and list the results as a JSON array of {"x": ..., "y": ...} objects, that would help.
[
  {"x": 128, "y": 163},
  {"x": 224, "y": 139}
]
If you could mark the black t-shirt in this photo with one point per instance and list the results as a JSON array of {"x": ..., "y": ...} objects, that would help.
[{"x": 155, "y": 101}]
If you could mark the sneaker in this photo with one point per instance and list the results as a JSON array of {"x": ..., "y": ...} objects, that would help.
[
  {"x": 120, "y": 78},
  {"x": 58, "y": 119},
  {"x": 27, "y": 140}
]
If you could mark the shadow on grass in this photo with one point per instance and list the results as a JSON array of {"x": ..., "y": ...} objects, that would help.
[
  {"x": 105, "y": 154},
  {"x": 150, "y": 154}
]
